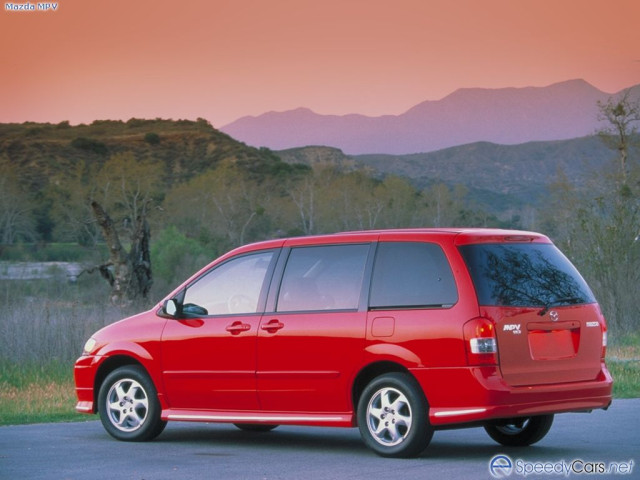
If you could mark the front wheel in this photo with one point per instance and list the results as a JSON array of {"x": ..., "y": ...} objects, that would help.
[
  {"x": 393, "y": 416},
  {"x": 520, "y": 432},
  {"x": 128, "y": 405}
]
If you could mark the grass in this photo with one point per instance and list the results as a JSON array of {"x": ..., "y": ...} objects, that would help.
[
  {"x": 43, "y": 326},
  {"x": 623, "y": 360},
  {"x": 36, "y": 394}
]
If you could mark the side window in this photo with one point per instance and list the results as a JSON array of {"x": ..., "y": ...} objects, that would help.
[
  {"x": 231, "y": 288},
  {"x": 412, "y": 274},
  {"x": 323, "y": 278}
]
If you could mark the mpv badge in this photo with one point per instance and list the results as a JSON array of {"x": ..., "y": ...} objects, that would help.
[{"x": 554, "y": 315}]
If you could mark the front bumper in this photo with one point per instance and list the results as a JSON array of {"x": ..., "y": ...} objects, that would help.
[{"x": 84, "y": 374}]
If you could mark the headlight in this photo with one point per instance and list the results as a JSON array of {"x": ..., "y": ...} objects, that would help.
[{"x": 89, "y": 346}]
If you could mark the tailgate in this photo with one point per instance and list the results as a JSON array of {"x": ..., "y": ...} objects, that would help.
[{"x": 563, "y": 345}]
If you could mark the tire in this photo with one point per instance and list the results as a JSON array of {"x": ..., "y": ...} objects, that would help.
[
  {"x": 255, "y": 427},
  {"x": 128, "y": 405},
  {"x": 520, "y": 432},
  {"x": 393, "y": 416}
]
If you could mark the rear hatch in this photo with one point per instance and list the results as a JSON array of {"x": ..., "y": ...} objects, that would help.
[{"x": 548, "y": 326}]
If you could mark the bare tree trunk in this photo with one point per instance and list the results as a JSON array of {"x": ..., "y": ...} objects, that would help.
[
  {"x": 140, "y": 259},
  {"x": 130, "y": 274}
]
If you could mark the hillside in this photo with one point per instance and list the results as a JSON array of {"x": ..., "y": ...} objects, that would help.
[
  {"x": 49, "y": 166},
  {"x": 41, "y": 152},
  {"x": 505, "y": 116},
  {"x": 500, "y": 177}
]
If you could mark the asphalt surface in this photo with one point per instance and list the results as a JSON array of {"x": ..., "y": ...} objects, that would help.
[{"x": 83, "y": 450}]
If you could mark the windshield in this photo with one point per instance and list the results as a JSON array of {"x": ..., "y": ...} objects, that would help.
[{"x": 515, "y": 275}]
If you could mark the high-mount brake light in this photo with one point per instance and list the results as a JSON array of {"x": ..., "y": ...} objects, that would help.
[
  {"x": 519, "y": 238},
  {"x": 480, "y": 342}
]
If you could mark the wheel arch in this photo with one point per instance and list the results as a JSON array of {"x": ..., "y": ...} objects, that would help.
[
  {"x": 108, "y": 366},
  {"x": 370, "y": 372}
]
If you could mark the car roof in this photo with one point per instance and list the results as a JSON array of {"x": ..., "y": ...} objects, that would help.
[
  {"x": 461, "y": 236},
  {"x": 465, "y": 235}
]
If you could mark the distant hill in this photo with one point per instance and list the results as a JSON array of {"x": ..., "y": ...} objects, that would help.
[
  {"x": 505, "y": 116},
  {"x": 501, "y": 177},
  {"x": 44, "y": 160},
  {"x": 40, "y": 151}
]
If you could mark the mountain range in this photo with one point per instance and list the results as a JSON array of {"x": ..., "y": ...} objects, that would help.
[{"x": 505, "y": 116}]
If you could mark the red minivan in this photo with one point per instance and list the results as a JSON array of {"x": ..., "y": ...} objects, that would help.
[{"x": 397, "y": 332}]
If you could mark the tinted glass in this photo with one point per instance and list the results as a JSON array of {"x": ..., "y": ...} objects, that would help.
[
  {"x": 410, "y": 274},
  {"x": 323, "y": 278},
  {"x": 231, "y": 288},
  {"x": 524, "y": 275}
]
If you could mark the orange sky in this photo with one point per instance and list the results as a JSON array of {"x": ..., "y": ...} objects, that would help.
[{"x": 222, "y": 59}]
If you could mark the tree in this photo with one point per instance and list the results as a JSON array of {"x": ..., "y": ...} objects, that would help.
[
  {"x": 620, "y": 116},
  {"x": 403, "y": 203},
  {"x": 444, "y": 204},
  {"x": 221, "y": 203},
  {"x": 128, "y": 273},
  {"x": 303, "y": 194},
  {"x": 70, "y": 195},
  {"x": 350, "y": 203},
  {"x": 128, "y": 188},
  {"x": 16, "y": 209},
  {"x": 176, "y": 257},
  {"x": 606, "y": 241},
  {"x": 312, "y": 194}
]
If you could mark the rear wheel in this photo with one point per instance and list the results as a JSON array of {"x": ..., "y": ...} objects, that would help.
[
  {"x": 128, "y": 405},
  {"x": 520, "y": 432},
  {"x": 393, "y": 416}
]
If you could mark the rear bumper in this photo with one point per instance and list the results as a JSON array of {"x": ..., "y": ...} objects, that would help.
[{"x": 473, "y": 394}]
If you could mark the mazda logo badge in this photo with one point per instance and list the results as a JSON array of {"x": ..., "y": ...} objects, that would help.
[{"x": 554, "y": 315}]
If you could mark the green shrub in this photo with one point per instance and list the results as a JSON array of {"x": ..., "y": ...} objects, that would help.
[
  {"x": 90, "y": 145},
  {"x": 152, "y": 138},
  {"x": 174, "y": 257}
]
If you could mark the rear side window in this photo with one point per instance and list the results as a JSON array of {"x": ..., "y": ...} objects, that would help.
[
  {"x": 412, "y": 274},
  {"x": 323, "y": 278},
  {"x": 524, "y": 275}
]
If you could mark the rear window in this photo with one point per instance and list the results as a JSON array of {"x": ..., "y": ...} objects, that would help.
[{"x": 524, "y": 275}]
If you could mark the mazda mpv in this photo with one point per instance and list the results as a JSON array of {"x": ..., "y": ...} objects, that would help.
[{"x": 398, "y": 333}]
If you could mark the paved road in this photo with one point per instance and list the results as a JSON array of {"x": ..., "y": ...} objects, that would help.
[{"x": 84, "y": 451}]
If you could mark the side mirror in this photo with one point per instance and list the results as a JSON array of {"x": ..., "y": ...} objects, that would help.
[{"x": 171, "y": 307}]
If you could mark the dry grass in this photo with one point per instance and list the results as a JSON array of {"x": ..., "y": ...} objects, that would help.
[
  {"x": 43, "y": 327},
  {"x": 37, "y": 402},
  {"x": 623, "y": 360}
]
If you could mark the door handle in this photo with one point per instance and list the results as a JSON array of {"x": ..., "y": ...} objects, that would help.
[
  {"x": 237, "y": 327},
  {"x": 273, "y": 326}
]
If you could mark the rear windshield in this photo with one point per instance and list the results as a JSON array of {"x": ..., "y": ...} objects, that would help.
[{"x": 524, "y": 275}]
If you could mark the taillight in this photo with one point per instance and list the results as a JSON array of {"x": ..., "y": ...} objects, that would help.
[
  {"x": 480, "y": 342},
  {"x": 604, "y": 339}
]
